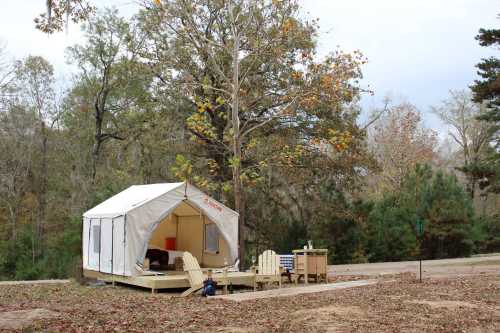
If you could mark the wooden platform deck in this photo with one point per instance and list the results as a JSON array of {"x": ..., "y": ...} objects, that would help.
[{"x": 171, "y": 279}]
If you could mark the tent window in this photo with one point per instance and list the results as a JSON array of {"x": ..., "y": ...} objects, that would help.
[
  {"x": 96, "y": 234},
  {"x": 211, "y": 238}
]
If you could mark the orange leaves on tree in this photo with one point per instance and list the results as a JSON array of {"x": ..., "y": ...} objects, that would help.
[
  {"x": 288, "y": 26},
  {"x": 309, "y": 101},
  {"x": 297, "y": 75},
  {"x": 340, "y": 140},
  {"x": 401, "y": 142}
]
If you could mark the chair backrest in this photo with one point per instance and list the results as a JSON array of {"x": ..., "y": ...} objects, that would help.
[
  {"x": 192, "y": 267},
  {"x": 269, "y": 263}
]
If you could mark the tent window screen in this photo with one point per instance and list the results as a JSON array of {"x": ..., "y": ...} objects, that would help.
[
  {"x": 211, "y": 238},
  {"x": 96, "y": 236}
]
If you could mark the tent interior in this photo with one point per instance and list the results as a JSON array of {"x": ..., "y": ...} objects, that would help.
[{"x": 186, "y": 229}]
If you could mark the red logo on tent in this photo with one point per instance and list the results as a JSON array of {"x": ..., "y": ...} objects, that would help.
[{"x": 212, "y": 204}]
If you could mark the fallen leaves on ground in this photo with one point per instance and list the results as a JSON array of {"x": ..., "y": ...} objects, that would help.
[{"x": 401, "y": 304}]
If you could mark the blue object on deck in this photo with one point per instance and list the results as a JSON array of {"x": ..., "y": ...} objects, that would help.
[{"x": 209, "y": 287}]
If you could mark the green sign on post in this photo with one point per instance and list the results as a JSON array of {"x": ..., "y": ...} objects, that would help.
[{"x": 420, "y": 227}]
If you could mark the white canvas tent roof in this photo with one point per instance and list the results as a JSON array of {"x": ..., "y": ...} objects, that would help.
[
  {"x": 130, "y": 198},
  {"x": 116, "y": 232}
]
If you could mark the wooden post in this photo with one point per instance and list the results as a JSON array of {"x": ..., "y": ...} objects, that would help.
[
  {"x": 296, "y": 268},
  {"x": 306, "y": 268},
  {"x": 254, "y": 271},
  {"x": 226, "y": 282},
  {"x": 326, "y": 266}
]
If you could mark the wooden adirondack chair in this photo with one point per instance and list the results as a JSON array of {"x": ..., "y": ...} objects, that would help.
[
  {"x": 196, "y": 277},
  {"x": 268, "y": 270}
]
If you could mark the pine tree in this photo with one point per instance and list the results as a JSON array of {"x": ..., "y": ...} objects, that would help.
[{"x": 487, "y": 90}]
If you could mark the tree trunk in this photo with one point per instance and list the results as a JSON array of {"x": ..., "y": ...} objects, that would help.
[
  {"x": 237, "y": 186},
  {"x": 42, "y": 200},
  {"x": 472, "y": 187},
  {"x": 13, "y": 221},
  {"x": 146, "y": 164},
  {"x": 98, "y": 140},
  {"x": 239, "y": 203},
  {"x": 95, "y": 155}
]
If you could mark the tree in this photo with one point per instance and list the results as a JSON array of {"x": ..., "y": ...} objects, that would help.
[
  {"x": 399, "y": 142},
  {"x": 247, "y": 69},
  {"x": 447, "y": 212},
  {"x": 113, "y": 80},
  {"x": 488, "y": 88},
  {"x": 35, "y": 81},
  {"x": 7, "y": 70},
  {"x": 60, "y": 12},
  {"x": 436, "y": 199},
  {"x": 472, "y": 135},
  {"x": 17, "y": 148},
  {"x": 390, "y": 234}
]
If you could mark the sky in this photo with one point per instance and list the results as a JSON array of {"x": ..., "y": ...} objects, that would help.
[{"x": 417, "y": 49}]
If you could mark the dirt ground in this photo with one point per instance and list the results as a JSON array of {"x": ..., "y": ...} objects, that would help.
[{"x": 399, "y": 303}]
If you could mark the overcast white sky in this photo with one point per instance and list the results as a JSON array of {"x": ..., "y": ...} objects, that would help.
[{"x": 417, "y": 49}]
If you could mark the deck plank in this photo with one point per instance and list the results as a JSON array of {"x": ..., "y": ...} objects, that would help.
[{"x": 171, "y": 281}]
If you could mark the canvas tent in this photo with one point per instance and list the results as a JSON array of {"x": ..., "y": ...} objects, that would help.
[{"x": 117, "y": 232}]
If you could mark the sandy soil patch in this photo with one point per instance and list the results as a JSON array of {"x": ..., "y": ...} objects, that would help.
[
  {"x": 446, "y": 304},
  {"x": 328, "y": 311},
  {"x": 330, "y": 318},
  {"x": 233, "y": 329},
  {"x": 16, "y": 320}
]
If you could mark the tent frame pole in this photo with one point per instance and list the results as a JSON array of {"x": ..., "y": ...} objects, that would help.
[
  {"x": 88, "y": 244},
  {"x": 124, "y": 243},
  {"x": 112, "y": 244},
  {"x": 100, "y": 237}
]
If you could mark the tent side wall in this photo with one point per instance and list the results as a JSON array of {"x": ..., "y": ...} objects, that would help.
[
  {"x": 118, "y": 239},
  {"x": 93, "y": 243},
  {"x": 85, "y": 242},
  {"x": 103, "y": 245}
]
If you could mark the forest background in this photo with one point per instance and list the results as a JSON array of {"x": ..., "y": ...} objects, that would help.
[{"x": 233, "y": 97}]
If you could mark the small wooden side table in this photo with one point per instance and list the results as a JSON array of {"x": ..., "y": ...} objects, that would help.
[{"x": 310, "y": 263}]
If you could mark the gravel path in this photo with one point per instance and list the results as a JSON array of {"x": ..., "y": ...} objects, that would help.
[{"x": 282, "y": 292}]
